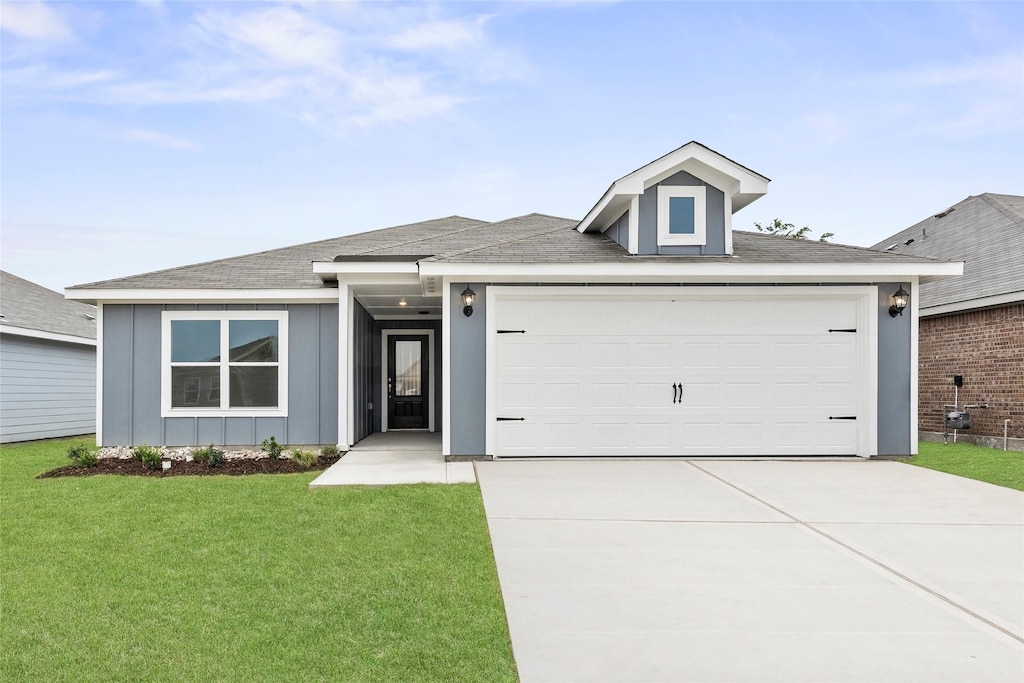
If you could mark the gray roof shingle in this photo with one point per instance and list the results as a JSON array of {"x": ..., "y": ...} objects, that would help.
[
  {"x": 985, "y": 231},
  {"x": 30, "y": 306},
  {"x": 533, "y": 238}
]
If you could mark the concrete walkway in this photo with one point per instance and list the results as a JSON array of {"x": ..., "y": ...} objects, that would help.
[
  {"x": 396, "y": 458},
  {"x": 756, "y": 571}
]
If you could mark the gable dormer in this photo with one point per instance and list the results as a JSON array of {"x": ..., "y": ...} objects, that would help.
[{"x": 680, "y": 204}]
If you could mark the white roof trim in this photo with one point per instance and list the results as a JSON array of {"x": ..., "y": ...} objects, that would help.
[
  {"x": 51, "y": 336},
  {"x": 740, "y": 184},
  {"x": 972, "y": 304},
  {"x": 324, "y": 268},
  {"x": 692, "y": 272},
  {"x": 235, "y": 296}
]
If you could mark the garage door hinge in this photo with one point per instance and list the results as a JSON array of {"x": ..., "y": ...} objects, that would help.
[
  {"x": 842, "y": 417},
  {"x": 511, "y": 331},
  {"x": 511, "y": 419},
  {"x": 845, "y": 330}
]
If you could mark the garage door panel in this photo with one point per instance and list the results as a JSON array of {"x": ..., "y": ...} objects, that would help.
[{"x": 757, "y": 377}]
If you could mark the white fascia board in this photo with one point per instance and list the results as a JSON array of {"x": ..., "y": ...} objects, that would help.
[
  {"x": 49, "y": 336},
  {"x": 167, "y": 296},
  {"x": 972, "y": 304},
  {"x": 326, "y": 268},
  {"x": 690, "y": 272}
]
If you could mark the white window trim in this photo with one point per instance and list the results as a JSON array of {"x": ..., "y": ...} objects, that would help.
[
  {"x": 281, "y": 410},
  {"x": 700, "y": 215}
]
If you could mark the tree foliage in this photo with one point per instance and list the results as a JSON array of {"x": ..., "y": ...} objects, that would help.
[{"x": 780, "y": 229}]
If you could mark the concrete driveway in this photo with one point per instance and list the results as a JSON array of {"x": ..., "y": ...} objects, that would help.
[{"x": 756, "y": 571}]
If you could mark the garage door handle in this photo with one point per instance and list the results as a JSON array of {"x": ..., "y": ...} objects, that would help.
[
  {"x": 842, "y": 417},
  {"x": 677, "y": 389},
  {"x": 511, "y": 419}
]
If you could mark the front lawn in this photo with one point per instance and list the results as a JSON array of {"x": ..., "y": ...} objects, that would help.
[
  {"x": 1005, "y": 468},
  {"x": 250, "y": 578}
]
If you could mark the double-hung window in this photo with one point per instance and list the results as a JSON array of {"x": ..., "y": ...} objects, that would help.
[{"x": 224, "y": 363}]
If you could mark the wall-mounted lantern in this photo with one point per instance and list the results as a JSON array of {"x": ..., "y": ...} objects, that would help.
[
  {"x": 899, "y": 302},
  {"x": 468, "y": 297}
]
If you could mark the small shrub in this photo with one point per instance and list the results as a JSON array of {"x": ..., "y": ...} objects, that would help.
[
  {"x": 213, "y": 457},
  {"x": 329, "y": 451},
  {"x": 82, "y": 456},
  {"x": 273, "y": 448},
  {"x": 304, "y": 458},
  {"x": 149, "y": 456}
]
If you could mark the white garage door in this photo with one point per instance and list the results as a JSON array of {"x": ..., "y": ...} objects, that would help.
[{"x": 655, "y": 376}]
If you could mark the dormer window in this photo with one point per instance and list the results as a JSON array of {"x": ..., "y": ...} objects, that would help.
[{"x": 682, "y": 215}]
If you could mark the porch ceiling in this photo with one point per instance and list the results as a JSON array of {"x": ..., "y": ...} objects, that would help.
[{"x": 384, "y": 301}]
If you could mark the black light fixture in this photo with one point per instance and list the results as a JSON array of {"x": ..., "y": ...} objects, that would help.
[
  {"x": 899, "y": 302},
  {"x": 468, "y": 297}
]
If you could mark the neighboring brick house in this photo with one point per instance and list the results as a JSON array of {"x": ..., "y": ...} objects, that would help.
[{"x": 972, "y": 325}]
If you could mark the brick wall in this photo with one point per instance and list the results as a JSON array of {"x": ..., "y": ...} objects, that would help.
[{"x": 987, "y": 348}]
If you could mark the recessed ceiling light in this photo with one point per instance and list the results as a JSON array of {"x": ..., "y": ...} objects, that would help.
[{"x": 403, "y": 302}]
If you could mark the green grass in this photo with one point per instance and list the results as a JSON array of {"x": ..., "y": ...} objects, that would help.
[
  {"x": 250, "y": 578},
  {"x": 1005, "y": 468}
]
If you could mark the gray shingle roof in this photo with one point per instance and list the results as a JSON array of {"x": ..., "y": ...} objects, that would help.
[
  {"x": 533, "y": 238},
  {"x": 986, "y": 232},
  {"x": 28, "y": 305}
]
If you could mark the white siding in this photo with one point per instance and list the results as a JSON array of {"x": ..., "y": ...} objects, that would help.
[{"x": 47, "y": 389}]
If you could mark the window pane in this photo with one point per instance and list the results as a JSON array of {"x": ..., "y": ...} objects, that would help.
[
  {"x": 253, "y": 341},
  {"x": 680, "y": 216},
  {"x": 195, "y": 341},
  {"x": 195, "y": 387},
  {"x": 408, "y": 375},
  {"x": 254, "y": 387}
]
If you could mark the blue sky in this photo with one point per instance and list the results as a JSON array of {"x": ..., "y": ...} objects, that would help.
[{"x": 146, "y": 135}]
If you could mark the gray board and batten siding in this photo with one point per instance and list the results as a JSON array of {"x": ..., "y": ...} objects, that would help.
[
  {"x": 47, "y": 389},
  {"x": 894, "y": 368},
  {"x": 468, "y": 373},
  {"x": 132, "y": 373}
]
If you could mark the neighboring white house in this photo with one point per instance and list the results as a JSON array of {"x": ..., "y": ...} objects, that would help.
[{"x": 47, "y": 363}]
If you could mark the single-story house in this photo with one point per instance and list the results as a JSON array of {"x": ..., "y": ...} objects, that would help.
[
  {"x": 648, "y": 328},
  {"x": 47, "y": 363},
  {"x": 972, "y": 326}
]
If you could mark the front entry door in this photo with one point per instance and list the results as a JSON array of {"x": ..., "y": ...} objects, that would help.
[{"x": 408, "y": 370}]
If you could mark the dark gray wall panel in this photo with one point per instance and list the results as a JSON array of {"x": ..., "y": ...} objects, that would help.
[
  {"x": 715, "y": 220},
  {"x": 117, "y": 374},
  {"x": 147, "y": 425},
  {"x": 619, "y": 231},
  {"x": 363, "y": 407},
  {"x": 210, "y": 430},
  {"x": 468, "y": 375},
  {"x": 894, "y": 368},
  {"x": 328, "y": 381}
]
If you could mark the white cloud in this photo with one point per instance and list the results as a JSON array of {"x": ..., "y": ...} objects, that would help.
[
  {"x": 332, "y": 67},
  {"x": 1001, "y": 70},
  {"x": 447, "y": 35},
  {"x": 282, "y": 33},
  {"x": 34, "y": 20},
  {"x": 157, "y": 139}
]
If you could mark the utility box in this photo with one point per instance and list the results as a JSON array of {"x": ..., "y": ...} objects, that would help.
[{"x": 958, "y": 419}]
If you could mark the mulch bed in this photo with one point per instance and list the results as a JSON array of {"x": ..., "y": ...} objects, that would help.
[{"x": 180, "y": 468}]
